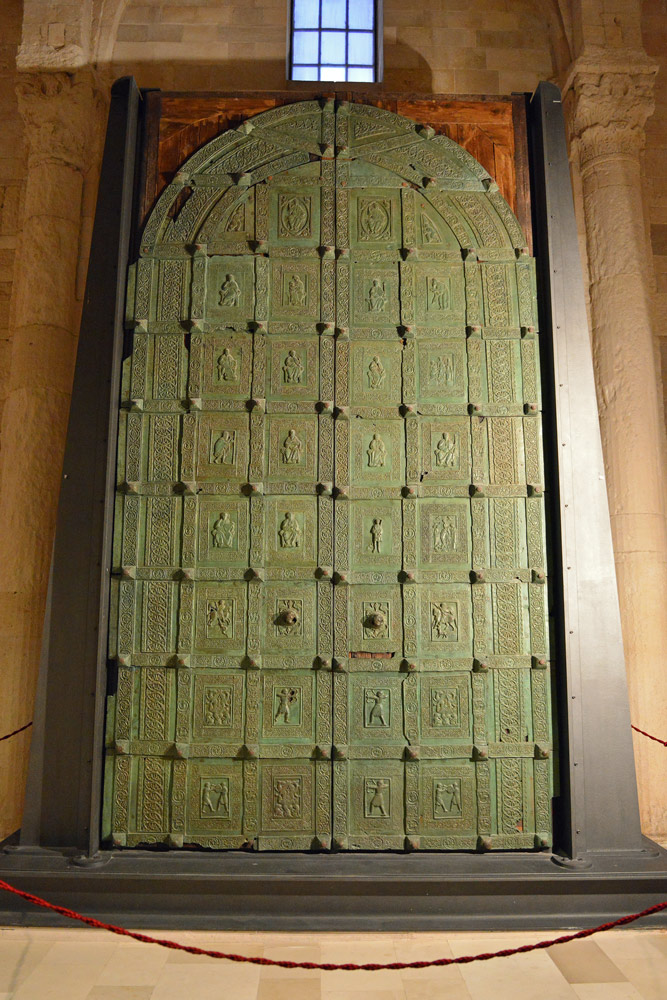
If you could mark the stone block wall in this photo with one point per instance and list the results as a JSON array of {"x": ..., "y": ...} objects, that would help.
[{"x": 446, "y": 46}]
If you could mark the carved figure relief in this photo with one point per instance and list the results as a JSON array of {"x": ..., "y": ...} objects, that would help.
[
  {"x": 215, "y": 798},
  {"x": 444, "y": 623},
  {"x": 218, "y": 706},
  {"x": 376, "y": 706},
  {"x": 376, "y": 798},
  {"x": 220, "y": 619},
  {"x": 446, "y": 451},
  {"x": 292, "y": 448},
  {"x": 293, "y": 369},
  {"x": 294, "y": 213},
  {"x": 374, "y": 219},
  {"x": 289, "y": 532},
  {"x": 296, "y": 291},
  {"x": 377, "y": 296},
  {"x": 444, "y": 533},
  {"x": 285, "y": 700},
  {"x": 429, "y": 232},
  {"x": 223, "y": 532},
  {"x": 441, "y": 370},
  {"x": 236, "y": 221},
  {"x": 377, "y": 452},
  {"x": 376, "y": 373},
  {"x": 230, "y": 292},
  {"x": 446, "y": 798},
  {"x": 289, "y": 617},
  {"x": 376, "y": 619},
  {"x": 438, "y": 294},
  {"x": 287, "y": 797},
  {"x": 223, "y": 448},
  {"x": 445, "y": 709},
  {"x": 228, "y": 367},
  {"x": 376, "y": 534}
]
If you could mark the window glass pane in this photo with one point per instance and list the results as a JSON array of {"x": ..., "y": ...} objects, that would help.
[
  {"x": 360, "y": 74},
  {"x": 360, "y": 48},
  {"x": 333, "y": 47},
  {"x": 306, "y": 13},
  {"x": 361, "y": 14},
  {"x": 333, "y": 13},
  {"x": 305, "y": 46},
  {"x": 304, "y": 73},
  {"x": 332, "y": 73}
]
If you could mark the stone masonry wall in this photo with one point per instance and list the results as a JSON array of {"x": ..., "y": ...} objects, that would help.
[{"x": 446, "y": 46}]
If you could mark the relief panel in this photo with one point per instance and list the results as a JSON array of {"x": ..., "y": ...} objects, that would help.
[
  {"x": 222, "y": 447},
  {"x": 293, "y": 369},
  {"x": 230, "y": 295},
  {"x": 226, "y": 366},
  {"x": 375, "y": 219},
  {"x": 218, "y": 707},
  {"x": 439, "y": 295},
  {"x": 375, "y": 535},
  {"x": 448, "y": 800},
  {"x": 376, "y": 810},
  {"x": 295, "y": 290},
  {"x": 375, "y": 373},
  {"x": 290, "y": 620},
  {"x": 291, "y": 532},
  {"x": 376, "y": 453},
  {"x": 295, "y": 216},
  {"x": 442, "y": 375},
  {"x": 445, "y": 707},
  {"x": 288, "y": 707},
  {"x": 374, "y": 295},
  {"x": 375, "y": 710},
  {"x": 215, "y": 800},
  {"x": 445, "y": 620},
  {"x": 220, "y": 623},
  {"x": 444, "y": 533},
  {"x": 445, "y": 449},
  {"x": 222, "y": 532},
  {"x": 291, "y": 448},
  {"x": 375, "y": 619}
]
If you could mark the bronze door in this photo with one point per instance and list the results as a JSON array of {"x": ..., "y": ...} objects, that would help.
[{"x": 329, "y": 611}]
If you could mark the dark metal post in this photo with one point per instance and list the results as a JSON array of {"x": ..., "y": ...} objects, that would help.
[
  {"x": 66, "y": 780},
  {"x": 597, "y": 763}
]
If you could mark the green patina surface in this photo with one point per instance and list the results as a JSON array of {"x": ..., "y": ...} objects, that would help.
[{"x": 329, "y": 610}]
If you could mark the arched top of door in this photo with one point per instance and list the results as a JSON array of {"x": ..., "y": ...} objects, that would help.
[{"x": 205, "y": 197}]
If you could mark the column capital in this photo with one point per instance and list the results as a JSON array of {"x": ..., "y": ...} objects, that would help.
[
  {"x": 63, "y": 115},
  {"x": 609, "y": 97}
]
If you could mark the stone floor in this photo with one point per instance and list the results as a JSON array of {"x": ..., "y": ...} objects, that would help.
[{"x": 80, "y": 964}]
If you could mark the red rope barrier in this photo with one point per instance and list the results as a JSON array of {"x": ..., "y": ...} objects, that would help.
[
  {"x": 654, "y": 738},
  {"x": 330, "y": 966}
]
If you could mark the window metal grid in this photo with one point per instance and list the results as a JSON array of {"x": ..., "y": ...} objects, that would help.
[{"x": 335, "y": 40}]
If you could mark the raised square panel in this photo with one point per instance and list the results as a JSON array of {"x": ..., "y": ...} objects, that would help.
[
  {"x": 291, "y": 531},
  {"x": 447, "y": 793},
  {"x": 376, "y": 805},
  {"x": 445, "y": 625},
  {"x": 223, "y": 532},
  {"x": 375, "y": 616},
  {"x": 444, "y": 533},
  {"x": 288, "y": 706},
  {"x": 220, "y": 617},
  {"x": 293, "y": 369},
  {"x": 374, "y": 296},
  {"x": 295, "y": 290},
  {"x": 375, "y": 219},
  {"x": 445, "y": 449},
  {"x": 442, "y": 371},
  {"x": 287, "y": 797},
  {"x": 218, "y": 707},
  {"x": 439, "y": 294},
  {"x": 376, "y": 452},
  {"x": 295, "y": 217},
  {"x": 226, "y": 365},
  {"x": 445, "y": 706},
  {"x": 375, "y": 535},
  {"x": 230, "y": 291},
  {"x": 289, "y": 619},
  {"x": 222, "y": 447},
  {"x": 292, "y": 448},
  {"x": 214, "y": 797},
  {"x": 375, "y": 375},
  {"x": 375, "y": 710}
]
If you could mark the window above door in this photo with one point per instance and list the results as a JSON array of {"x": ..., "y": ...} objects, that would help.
[{"x": 337, "y": 40}]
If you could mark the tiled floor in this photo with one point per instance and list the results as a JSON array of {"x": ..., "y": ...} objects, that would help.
[{"x": 80, "y": 964}]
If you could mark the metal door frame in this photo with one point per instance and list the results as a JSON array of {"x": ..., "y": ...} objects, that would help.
[{"x": 603, "y": 865}]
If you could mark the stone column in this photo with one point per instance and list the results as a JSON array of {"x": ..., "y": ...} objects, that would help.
[
  {"x": 64, "y": 116},
  {"x": 609, "y": 108}
]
